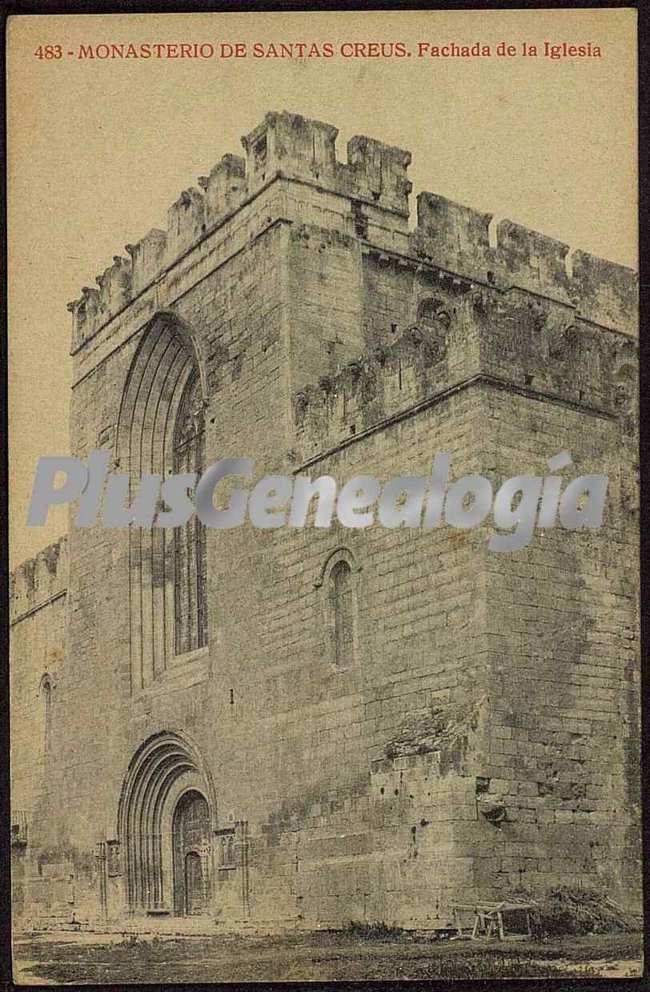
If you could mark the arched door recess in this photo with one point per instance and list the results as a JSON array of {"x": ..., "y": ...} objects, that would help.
[
  {"x": 166, "y": 812},
  {"x": 192, "y": 852}
]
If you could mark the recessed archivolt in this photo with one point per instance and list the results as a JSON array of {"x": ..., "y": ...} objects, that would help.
[
  {"x": 164, "y": 361},
  {"x": 164, "y": 368},
  {"x": 162, "y": 770}
]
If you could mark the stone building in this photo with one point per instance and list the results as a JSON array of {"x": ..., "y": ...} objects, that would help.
[{"x": 317, "y": 725}]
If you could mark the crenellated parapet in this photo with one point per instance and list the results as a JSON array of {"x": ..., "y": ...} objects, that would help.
[
  {"x": 299, "y": 148},
  {"x": 459, "y": 239},
  {"x": 115, "y": 284},
  {"x": 185, "y": 223},
  {"x": 374, "y": 180},
  {"x": 39, "y": 580},
  {"x": 284, "y": 146},
  {"x": 468, "y": 333},
  {"x": 605, "y": 293}
]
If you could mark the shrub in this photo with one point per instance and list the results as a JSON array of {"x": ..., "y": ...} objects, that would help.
[
  {"x": 573, "y": 910},
  {"x": 374, "y": 931}
]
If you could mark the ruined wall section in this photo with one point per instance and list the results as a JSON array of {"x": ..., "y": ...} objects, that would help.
[
  {"x": 37, "y": 616},
  {"x": 37, "y": 619}
]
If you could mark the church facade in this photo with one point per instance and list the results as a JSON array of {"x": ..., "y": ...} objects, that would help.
[{"x": 312, "y": 726}]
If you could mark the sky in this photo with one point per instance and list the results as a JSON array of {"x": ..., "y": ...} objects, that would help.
[{"x": 99, "y": 149}]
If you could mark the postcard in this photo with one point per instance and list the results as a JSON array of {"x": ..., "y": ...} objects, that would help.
[{"x": 323, "y": 384}]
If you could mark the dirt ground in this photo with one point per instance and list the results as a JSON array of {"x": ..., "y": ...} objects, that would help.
[{"x": 84, "y": 958}]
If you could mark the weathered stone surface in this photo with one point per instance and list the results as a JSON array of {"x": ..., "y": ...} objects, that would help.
[{"x": 328, "y": 341}]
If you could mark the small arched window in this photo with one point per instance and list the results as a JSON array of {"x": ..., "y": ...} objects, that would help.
[
  {"x": 341, "y": 599},
  {"x": 46, "y": 696},
  {"x": 339, "y": 580}
]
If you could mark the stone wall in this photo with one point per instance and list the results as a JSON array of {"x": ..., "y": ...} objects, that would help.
[
  {"x": 483, "y": 736},
  {"x": 563, "y": 627},
  {"x": 37, "y": 661}
]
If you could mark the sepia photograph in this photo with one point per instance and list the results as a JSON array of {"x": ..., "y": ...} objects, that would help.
[{"x": 324, "y": 497}]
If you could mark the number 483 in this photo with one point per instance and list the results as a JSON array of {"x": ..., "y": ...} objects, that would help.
[{"x": 48, "y": 52}]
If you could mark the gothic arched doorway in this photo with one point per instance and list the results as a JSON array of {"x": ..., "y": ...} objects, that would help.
[
  {"x": 191, "y": 854},
  {"x": 166, "y": 826}
]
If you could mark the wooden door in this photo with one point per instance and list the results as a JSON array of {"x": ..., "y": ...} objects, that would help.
[{"x": 192, "y": 855}]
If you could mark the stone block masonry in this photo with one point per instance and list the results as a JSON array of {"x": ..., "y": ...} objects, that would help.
[{"x": 308, "y": 726}]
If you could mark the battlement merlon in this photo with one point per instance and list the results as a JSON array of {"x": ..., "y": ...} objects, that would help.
[
  {"x": 292, "y": 145},
  {"x": 447, "y": 235},
  {"x": 298, "y": 148}
]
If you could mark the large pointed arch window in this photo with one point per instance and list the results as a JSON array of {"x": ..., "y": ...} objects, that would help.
[{"x": 161, "y": 432}]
